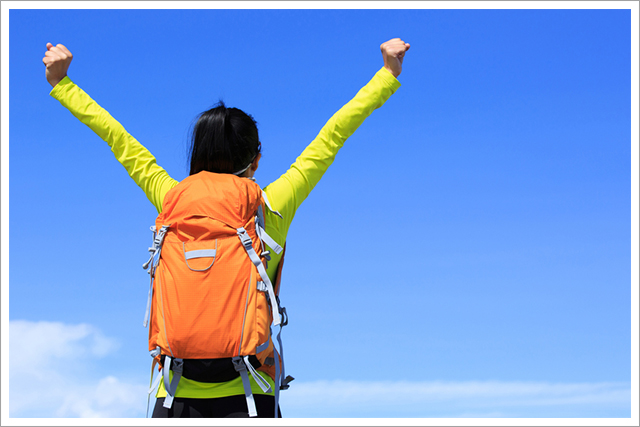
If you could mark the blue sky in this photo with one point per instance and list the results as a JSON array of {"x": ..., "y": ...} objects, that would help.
[{"x": 467, "y": 255}]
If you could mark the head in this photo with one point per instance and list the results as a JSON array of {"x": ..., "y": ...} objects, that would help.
[{"x": 225, "y": 140}]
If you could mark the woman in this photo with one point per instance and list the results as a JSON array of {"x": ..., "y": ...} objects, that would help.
[{"x": 225, "y": 140}]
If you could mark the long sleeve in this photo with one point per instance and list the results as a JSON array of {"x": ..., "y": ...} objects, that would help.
[{"x": 137, "y": 160}]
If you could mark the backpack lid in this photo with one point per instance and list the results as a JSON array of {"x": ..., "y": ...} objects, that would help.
[{"x": 223, "y": 197}]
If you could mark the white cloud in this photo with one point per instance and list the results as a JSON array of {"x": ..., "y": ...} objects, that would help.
[
  {"x": 35, "y": 343},
  {"x": 109, "y": 398},
  {"x": 52, "y": 373}
]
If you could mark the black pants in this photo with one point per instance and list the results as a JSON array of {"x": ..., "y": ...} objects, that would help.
[{"x": 221, "y": 407}]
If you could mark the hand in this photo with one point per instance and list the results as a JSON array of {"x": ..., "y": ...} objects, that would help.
[
  {"x": 393, "y": 54},
  {"x": 57, "y": 60}
]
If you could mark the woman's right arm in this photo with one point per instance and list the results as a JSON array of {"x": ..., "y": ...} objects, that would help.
[
  {"x": 137, "y": 160},
  {"x": 292, "y": 188}
]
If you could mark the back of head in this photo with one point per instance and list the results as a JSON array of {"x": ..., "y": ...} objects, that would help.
[{"x": 224, "y": 140}]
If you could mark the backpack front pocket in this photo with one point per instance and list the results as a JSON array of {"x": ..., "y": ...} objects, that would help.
[{"x": 200, "y": 255}]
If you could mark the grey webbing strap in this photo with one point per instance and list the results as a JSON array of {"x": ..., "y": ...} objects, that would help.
[
  {"x": 152, "y": 251},
  {"x": 281, "y": 353},
  {"x": 153, "y": 261},
  {"x": 200, "y": 253},
  {"x": 239, "y": 365},
  {"x": 279, "y": 375},
  {"x": 262, "y": 383},
  {"x": 268, "y": 240},
  {"x": 277, "y": 380},
  {"x": 165, "y": 376},
  {"x": 262, "y": 347},
  {"x": 152, "y": 384},
  {"x": 259, "y": 220},
  {"x": 155, "y": 352},
  {"x": 155, "y": 383},
  {"x": 147, "y": 312},
  {"x": 262, "y": 234},
  {"x": 177, "y": 374},
  {"x": 266, "y": 202},
  {"x": 281, "y": 382},
  {"x": 260, "y": 217},
  {"x": 248, "y": 246},
  {"x": 157, "y": 246},
  {"x": 286, "y": 379}
]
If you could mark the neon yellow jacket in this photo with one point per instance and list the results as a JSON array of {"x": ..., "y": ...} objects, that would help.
[{"x": 286, "y": 193}]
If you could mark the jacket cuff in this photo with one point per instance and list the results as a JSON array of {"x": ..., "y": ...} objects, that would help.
[
  {"x": 60, "y": 87},
  {"x": 388, "y": 78}
]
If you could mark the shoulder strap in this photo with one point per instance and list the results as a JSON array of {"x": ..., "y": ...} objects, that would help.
[
  {"x": 266, "y": 202},
  {"x": 276, "y": 285}
]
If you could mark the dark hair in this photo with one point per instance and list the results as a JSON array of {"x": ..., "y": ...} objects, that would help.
[{"x": 224, "y": 140}]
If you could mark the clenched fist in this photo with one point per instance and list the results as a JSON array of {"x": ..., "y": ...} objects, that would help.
[
  {"x": 393, "y": 53},
  {"x": 57, "y": 60}
]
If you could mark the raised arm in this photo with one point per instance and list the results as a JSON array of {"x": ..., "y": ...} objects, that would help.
[
  {"x": 292, "y": 188},
  {"x": 137, "y": 160}
]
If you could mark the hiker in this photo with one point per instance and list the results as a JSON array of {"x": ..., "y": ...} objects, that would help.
[{"x": 225, "y": 145}]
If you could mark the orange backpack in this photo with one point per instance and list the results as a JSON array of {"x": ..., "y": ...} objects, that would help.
[{"x": 211, "y": 304}]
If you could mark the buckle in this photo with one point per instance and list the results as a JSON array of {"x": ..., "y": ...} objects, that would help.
[
  {"x": 177, "y": 365},
  {"x": 285, "y": 383},
  {"x": 238, "y": 364}
]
